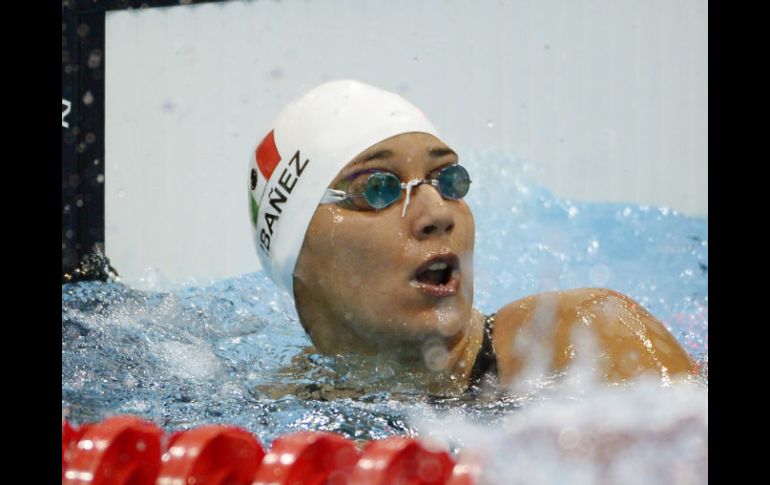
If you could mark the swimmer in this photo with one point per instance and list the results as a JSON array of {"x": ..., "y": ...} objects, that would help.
[{"x": 357, "y": 210}]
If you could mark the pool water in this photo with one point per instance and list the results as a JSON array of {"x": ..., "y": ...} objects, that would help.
[{"x": 234, "y": 352}]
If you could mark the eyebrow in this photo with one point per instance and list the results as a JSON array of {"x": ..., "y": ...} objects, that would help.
[
  {"x": 440, "y": 152},
  {"x": 380, "y": 154},
  {"x": 384, "y": 154}
]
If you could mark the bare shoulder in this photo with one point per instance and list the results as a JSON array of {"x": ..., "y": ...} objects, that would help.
[{"x": 630, "y": 339}]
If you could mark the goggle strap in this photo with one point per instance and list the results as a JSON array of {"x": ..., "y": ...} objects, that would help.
[
  {"x": 408, "y": 186},
  {"x": 332, "y": 196}
]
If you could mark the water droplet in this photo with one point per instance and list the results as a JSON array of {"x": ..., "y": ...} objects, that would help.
[
  {"x": 276, "y": 73},
  {"x": 95, "y": 59},
  {"x": 593, "y": 246},
  {"x": 436, "y": 357}
]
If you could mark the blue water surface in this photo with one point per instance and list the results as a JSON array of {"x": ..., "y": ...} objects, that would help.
[{"x": 234, "y": 352}]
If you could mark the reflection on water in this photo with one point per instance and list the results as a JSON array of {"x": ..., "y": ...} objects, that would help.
[{"x": 234, "y": 352}]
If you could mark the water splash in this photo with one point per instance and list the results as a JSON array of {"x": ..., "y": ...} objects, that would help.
[{"x": 234, "y": 351}]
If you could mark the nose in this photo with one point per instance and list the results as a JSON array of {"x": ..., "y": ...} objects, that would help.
[{"x": 430, "y": 215}]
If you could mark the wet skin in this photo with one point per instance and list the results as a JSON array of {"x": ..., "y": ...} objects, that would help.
[{"x": 357, "y": 291}]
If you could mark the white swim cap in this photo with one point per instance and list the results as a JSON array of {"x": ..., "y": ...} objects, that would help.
[{"x": 310, "y": 141}]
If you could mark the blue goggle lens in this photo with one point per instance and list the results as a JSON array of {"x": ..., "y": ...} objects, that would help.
[
  {"x": 453, "y": 182},
  {"x": 382, "y": 189}
]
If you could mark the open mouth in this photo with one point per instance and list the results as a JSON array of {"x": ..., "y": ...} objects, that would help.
[{"x": 438, "y": 276}]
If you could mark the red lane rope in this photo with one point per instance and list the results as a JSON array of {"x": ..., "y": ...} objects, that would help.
[{"x": 126, "y": 450}]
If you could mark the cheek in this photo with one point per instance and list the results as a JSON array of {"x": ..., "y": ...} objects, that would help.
[
  {"x": 364, "y": 253},
  {"x": 469, "y": 225}
]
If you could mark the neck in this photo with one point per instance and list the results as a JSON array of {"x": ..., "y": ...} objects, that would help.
[
  {"x": 462, "y": 352},
  {"x": 450, "y": 372}
]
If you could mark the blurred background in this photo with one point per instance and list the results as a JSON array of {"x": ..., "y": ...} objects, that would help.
[{"x": 606, "y": 100}]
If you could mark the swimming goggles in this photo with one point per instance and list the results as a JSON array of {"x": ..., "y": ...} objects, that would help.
[{"x": 379, "y": 189}]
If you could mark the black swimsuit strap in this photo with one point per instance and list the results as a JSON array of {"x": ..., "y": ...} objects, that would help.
[{"x": 486, "y": 362}]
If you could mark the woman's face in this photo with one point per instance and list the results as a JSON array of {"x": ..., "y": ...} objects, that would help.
[{"x": 377, "y": 279}]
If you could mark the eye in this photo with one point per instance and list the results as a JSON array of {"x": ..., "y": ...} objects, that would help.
[
  {"x": 358, "y": 182},
  {"x": 355, "y": 185},
  {"x": 435, "y": 172},
  {"x": 355, "y": 190}
]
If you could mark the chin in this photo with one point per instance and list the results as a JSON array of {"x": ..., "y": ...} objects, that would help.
[{"x": 442, "y": 321}]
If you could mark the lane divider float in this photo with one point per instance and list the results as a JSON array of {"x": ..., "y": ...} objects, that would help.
[{"x": 126, "y": 450}]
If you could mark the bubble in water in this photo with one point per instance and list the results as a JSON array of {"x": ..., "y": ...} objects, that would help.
[
  {"x": 569, "y": 438},
  {"x": 593, "y": 246},
  {"x": 449, "y": 322},
  {"x": 436, "y": 357},
  {"x": 490, "y": 124},
  {"x": 599, "y": 275}
]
